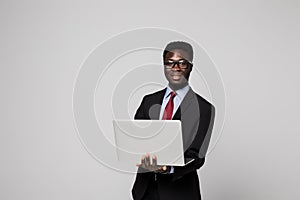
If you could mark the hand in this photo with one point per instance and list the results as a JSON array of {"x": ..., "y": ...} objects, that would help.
[{"x": 146, "y": 164}]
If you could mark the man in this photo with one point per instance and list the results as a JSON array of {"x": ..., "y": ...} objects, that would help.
[{"x": 178, "y": 102}]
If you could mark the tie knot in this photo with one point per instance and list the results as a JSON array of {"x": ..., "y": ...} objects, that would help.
[{"x": 173, "y": 94}]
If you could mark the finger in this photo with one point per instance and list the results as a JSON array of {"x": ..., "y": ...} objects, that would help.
[
  {"x": 159, "y": 169},
  {"x": 138, "y": 164},
  {"x": 154, "y": 160},
  {"x": 147, "y": 159},
  {"x": 143, "y": 161},
  {"x": 164, "y": 168}
]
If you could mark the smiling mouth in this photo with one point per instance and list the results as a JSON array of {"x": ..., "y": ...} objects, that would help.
[{"x": 176, "y": 77}]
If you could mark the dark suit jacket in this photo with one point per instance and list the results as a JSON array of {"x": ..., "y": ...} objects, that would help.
[{"x": 197, "y": 117}]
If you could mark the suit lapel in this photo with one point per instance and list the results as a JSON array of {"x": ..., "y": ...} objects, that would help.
[
  {"x": 186, "y": 102},
  {"x": 155, "y": 106}
]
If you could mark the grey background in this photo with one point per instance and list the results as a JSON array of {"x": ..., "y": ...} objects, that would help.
[{"x": 254, "y": 44}]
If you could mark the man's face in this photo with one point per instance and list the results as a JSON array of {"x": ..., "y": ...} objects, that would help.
[{"x": 177, "y": 76}]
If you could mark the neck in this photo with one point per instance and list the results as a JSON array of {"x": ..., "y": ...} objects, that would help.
[{"x": 177, "y": 87}]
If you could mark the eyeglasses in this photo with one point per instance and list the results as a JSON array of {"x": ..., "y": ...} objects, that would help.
[{"x": 182, "y": 64}]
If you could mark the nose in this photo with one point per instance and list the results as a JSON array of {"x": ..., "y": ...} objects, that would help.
[{"x": 176, "y": 67}]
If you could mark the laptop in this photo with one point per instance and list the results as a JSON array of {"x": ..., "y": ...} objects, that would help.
[{"x": 163, "y": 138}]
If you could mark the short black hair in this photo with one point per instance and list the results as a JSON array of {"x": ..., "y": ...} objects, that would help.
[{"x": 179, "y": 45}]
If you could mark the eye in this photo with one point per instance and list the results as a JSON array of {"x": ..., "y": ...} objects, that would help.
[
  {"x": 169, "y": 63},
  {"x": 182, "y": 62}
]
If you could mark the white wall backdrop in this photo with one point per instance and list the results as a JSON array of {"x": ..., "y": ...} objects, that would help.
[{"x": 254, "y": 43}]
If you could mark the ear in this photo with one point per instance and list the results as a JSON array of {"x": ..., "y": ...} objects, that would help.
[{"x": 191, "y": 67}]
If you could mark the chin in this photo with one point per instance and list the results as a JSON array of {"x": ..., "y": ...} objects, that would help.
[{"x": 177, "y": 85}]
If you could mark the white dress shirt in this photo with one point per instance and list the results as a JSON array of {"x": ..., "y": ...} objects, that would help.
[{"x": 180, "y": 94}]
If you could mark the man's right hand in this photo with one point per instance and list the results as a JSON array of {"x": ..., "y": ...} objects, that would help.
[{"x": 146, "y": 164}]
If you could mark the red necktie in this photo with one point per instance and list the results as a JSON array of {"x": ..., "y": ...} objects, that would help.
[{"x": 169, "y": 108}]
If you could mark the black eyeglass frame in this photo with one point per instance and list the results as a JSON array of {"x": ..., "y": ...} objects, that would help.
[{"x": 171, "y": 65}]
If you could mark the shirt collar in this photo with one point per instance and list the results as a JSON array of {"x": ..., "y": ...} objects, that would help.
[{"x": 180, "y": 93}]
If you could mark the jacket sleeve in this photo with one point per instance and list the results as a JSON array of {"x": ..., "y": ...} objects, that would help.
[
  {"x": 141, "y": 113},
  {"x": 143, "y": 176},
  {"x": 198, "y": 148}
]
